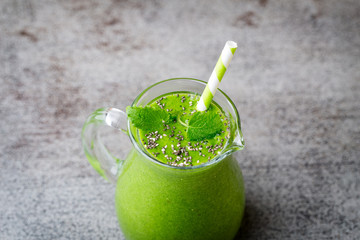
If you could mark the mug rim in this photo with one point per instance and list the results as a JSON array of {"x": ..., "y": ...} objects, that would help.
[{"x": 214, "y": 160}]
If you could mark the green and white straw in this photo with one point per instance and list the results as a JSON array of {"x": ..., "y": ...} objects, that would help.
[{"x": 216, "y": 76}]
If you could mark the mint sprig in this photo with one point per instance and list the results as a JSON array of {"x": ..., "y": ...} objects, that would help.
[
  {"x": 147, "y": 118},
  {"x": 204, "y": 125}
]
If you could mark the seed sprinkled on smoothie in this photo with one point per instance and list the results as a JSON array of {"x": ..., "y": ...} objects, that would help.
[{"x": 174, "y": 132}]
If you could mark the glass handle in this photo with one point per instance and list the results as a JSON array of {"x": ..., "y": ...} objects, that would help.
[{"x": 98, "y": 155}]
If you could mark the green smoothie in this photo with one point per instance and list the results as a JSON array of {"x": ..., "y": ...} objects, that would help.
[
  {"x": 158, "y": 202},
  {"x": 169, "y": 144},
  {"x": 162, "y": 202}
]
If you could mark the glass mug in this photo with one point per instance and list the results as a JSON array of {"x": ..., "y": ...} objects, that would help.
[{"x": 158, "y": 201}]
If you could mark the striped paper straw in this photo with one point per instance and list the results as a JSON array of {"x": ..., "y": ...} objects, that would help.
[{"x": 216, "y": 76}]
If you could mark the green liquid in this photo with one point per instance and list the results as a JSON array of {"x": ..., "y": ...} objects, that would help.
[
  {"x": 170, "y": 144},
  {"x": 158, "y": 202}
]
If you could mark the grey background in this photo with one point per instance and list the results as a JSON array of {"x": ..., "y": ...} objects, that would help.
[{"x": 295, "y": 79}]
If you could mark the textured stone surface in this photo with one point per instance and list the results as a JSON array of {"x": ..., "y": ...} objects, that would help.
[{"x": 295, "y": 79}]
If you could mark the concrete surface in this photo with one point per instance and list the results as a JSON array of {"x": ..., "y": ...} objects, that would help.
[{"x": 295, "y": 79}]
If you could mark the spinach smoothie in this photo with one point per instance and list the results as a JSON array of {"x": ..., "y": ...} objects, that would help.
[{"x": 182, "y": 192}]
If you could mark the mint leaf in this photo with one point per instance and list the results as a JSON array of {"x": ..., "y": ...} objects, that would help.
[
  {"x": 147, "y": 118},
  {"x": 204, "y": 126}
]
